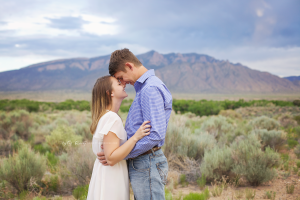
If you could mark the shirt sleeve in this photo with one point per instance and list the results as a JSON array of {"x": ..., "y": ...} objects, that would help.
[
  {"x": 113, "y": 123},
  {"x": 152, "y": 105}
]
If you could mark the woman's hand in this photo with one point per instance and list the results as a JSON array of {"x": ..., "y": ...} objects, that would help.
[{"x": 142, "y": 131}]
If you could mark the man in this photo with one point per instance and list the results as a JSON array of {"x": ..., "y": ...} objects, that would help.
[{"x": 147, "y": 165}]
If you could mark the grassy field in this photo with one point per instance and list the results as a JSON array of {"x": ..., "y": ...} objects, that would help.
[
  {"x": 206, "y": 155},
  {"x": 62, "y": 95}
]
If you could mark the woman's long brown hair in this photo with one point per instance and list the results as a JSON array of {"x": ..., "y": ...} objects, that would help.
[{"x": 101, "y": 99}]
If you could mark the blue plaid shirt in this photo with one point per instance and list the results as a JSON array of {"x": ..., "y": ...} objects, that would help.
[{"x": 153, "y": 102}]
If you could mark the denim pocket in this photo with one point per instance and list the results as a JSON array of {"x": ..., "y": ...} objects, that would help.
[
  {"x": 140, "y": 164},
  {"x": 162, "y": 168}
]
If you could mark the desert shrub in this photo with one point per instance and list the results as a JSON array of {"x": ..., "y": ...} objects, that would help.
[
  {"x": 180, "y": 141},
  {"x": 270, "y": 195},
  {"x": 264, "y": 122},
  {"x": 50, "y": 183},
  {"x": 61, "y": 138},
  {"x": 5, "y": 147},
  {"x": 77, "y": 166},
  {"x": 297, "y": 118},
  {"x": 274, "y": 139},
  {"x": 216, "y": 162},
  {"x": 249, "y": 193},
  {"x": 297, "y": 151},
  {"x": 83, "y": 130},
  {"x": 8, "y": 147},
  {"x": 287, "y": 120},
  {"x": 296, "y": 102},
  {"x": 199, "y": 143},
  {"x": 252, "y": 163},
  {"x": 216, "y": 126},
  {"x": 290, "y": 188},
  {"x": 20, "y": 168},
  {"x": 61, "y": 121},
  {"x": 3, "y": 133},
  {"x": 230, "y": 113},
  {"x": 216, "y": 190},
  {"x": 16, "y": 122},
  {"x": 81, "y": 192},
  {"x": 175, "y": 140}
]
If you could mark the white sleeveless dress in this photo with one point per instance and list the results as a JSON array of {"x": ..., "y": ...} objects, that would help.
[{"x": 109, "y": 182}]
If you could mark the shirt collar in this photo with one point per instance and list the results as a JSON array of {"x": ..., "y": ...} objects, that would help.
[
  {"x": 146, "y": 75},
  {"x": 143, "y": 78}
]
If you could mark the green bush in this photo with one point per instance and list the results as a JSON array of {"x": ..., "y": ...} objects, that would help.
[
  {"x": 298, "y": 163},
  {"x": 61, "y": 138},
  {"x": 81, "y": 192},
  {"x": 201, "y": 182},
  {"x": 285, "y": 157},
  {"x": 292, "y": 143},
  {"x": 297, "y": 151},
  {"x": 168, "y": 195},
  {"x": 42, "y": 148},
  {"x": 20, "y": 168},
  {"x": 252, "y": 163},
  {"x": 216, "y": 162},
  {"x": 182, "y": 180},
  {"x": 52, "y": 161},
  {"x": 274, "y": 139},
  {"x": 264, "y": 122}
]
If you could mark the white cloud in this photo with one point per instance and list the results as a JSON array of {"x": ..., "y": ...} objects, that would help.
[
  {"x": 278, "y": 61},
  {"x": 259, "y": 12},
  {"x": 11, "y": 63}
]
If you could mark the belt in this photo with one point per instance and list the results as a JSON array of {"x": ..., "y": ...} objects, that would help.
[{"x": 150, "y": 151}]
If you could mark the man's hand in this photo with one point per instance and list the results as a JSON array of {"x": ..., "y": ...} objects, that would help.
[{"x": 101, "y": 157}]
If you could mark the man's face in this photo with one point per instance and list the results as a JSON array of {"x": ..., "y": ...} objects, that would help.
[{"x": 125, "y": 77}]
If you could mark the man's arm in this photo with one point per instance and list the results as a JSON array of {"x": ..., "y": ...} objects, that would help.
[{"x": 152, "y": 105}]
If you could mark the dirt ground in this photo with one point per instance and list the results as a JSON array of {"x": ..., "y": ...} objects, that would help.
[{"x": 278, "y": 185}]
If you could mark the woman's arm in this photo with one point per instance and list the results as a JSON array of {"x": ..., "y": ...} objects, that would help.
[{"x": 113, "y": 152}]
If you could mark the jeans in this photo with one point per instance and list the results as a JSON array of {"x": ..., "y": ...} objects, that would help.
[{"x": 148, "y": 175}]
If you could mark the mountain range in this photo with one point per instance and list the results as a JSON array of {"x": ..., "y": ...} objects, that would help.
[
  {"x": 294, "y": 79},
  {"x": 182, "y": 73}
]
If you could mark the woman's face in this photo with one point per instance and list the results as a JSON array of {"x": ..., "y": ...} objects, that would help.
[{"x": 118, "y": 89}]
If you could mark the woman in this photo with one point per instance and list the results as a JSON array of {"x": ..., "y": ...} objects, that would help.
[{"x": 110, "y": 182}]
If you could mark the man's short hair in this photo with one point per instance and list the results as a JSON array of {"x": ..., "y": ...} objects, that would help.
[{"x": 118, "y": 59}]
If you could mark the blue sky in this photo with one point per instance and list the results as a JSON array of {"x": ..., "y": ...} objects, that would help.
[{"x": 261, "y": 34}]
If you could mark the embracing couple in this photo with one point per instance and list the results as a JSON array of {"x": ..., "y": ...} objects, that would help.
[{"x": 133, "y": 152}]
